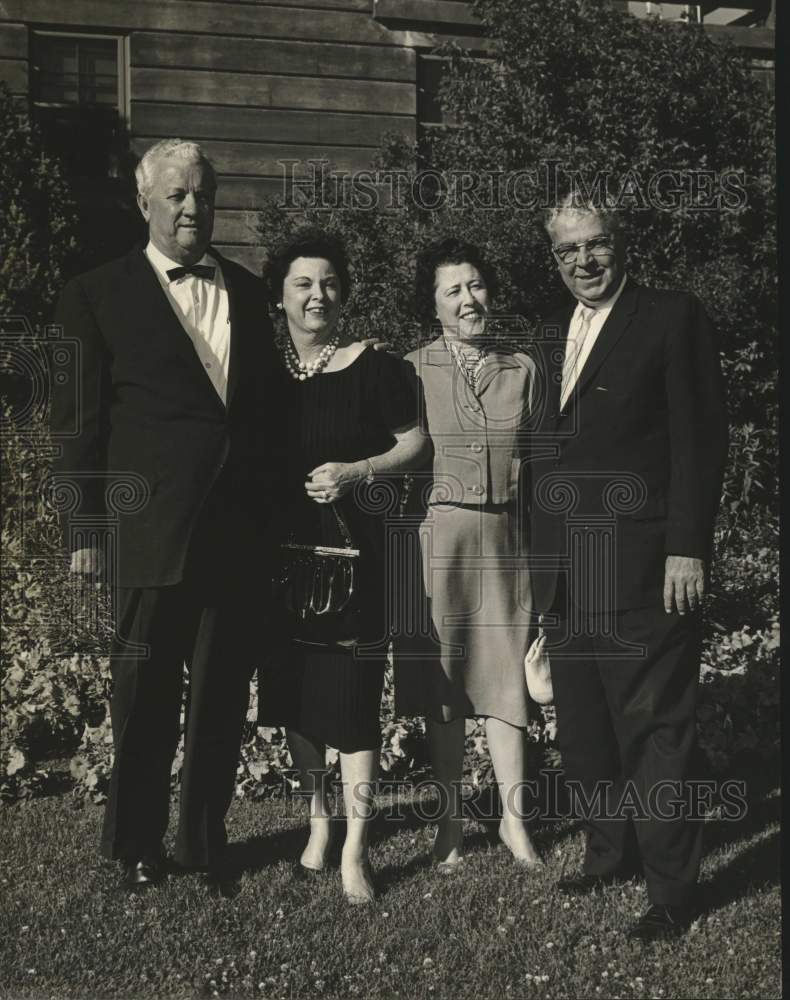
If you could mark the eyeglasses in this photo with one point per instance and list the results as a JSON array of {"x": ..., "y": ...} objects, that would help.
[{"x": 599, "y": 246}]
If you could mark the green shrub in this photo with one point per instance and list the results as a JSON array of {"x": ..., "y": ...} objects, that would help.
[
  {"x": 574, "y": 83},
  {"x": 38, "y": 219}
]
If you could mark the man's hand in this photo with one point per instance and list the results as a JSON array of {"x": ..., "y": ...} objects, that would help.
[
  {"x": 376, "y": 344},
  {"x": 684, "y": 584},
  {"x": 86, "y": 562}
]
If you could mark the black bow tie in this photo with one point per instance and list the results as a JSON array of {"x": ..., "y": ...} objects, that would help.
[{"x": 199, "y": 270}]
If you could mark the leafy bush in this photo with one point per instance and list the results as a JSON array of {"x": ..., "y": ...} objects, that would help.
[
  {"x": 38, "y": 218},
  {"x": 573, "y": 84}
]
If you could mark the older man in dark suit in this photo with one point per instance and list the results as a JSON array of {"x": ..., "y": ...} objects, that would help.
[
  {"x": 179, "y": 394},
  {"x": 628, "y": 471}
]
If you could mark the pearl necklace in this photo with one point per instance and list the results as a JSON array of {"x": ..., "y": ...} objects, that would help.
[{"x": 302, "y": 370}]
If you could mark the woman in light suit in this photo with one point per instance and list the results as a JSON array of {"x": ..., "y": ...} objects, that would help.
[{"x": 474, "y": 576}]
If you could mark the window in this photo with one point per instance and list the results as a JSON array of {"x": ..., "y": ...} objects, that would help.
[{"x": 79, "y": 98}]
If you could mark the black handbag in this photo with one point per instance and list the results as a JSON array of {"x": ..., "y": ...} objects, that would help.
[{"x": 319, "y": 586}]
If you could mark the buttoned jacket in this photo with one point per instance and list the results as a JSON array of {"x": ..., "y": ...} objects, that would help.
[
  {"x": 630, "y": 469},
  {"x": 479, "y": 436}
]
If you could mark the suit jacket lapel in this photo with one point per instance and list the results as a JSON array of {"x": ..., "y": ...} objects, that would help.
[
  {"x": 237, "y": 340},
  {"x": 613, "y": 329},
  {"x": 150, "y": 300}
]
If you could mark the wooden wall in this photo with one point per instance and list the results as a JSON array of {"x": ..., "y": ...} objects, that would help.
[
  {"x": 254, "y": 82},
  {"x": 257, "y": 81}
]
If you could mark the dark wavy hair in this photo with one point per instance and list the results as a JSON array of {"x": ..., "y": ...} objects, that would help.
[
  {"x": 306, "y": 242},
  {"x": 446, "y": 251}
]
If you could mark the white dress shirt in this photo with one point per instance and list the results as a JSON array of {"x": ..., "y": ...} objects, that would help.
[
  {"x": 599, "y": 316},
  {"x": 201, "y": 306}
]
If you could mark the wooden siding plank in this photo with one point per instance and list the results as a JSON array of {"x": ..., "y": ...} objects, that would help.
[
  {"x": 419, "y": 12},
  {"x": 205, "y": 87},
  {"x": 258, "y": 159},
  {"x": 257, "y": 124},
  {"x": 272, "y": 56},
  {"x": 202, "y": 18},
  {"x": 14, "y": 73},
  {"x": 432, "y": 40},
  {"x": 744, "y": 38},
  {"x": 349, "y": 5},
  {"x": 249, "y": 257},
  {"x": 13, "y": 41},
  {"x": 235, "y": 227},
  {"x": 247, "y": 192}
]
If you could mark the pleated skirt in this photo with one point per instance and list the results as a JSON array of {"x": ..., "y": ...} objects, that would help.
[
  {"x": 330, "y": 697},
  {"x": 471, "y": 620}
]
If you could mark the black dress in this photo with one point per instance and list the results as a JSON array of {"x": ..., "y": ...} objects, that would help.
[{"x": 334, "y": 697}]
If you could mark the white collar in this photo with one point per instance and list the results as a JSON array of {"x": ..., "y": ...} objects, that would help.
[{"x": 162, "y": 263}]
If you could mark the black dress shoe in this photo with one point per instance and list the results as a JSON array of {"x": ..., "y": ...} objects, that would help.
[
  {"x": 145, "y": 873},
  {"x": 660, "y": 921},
  {"x": 582, "y": 884}
]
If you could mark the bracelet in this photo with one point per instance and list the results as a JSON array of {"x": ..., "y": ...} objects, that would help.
[{"x": 371, "y": 474}]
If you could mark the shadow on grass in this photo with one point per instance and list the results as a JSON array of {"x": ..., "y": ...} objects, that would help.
[
  {"x": 750, "y": 846},
  {"x": 744, "y": 863},
  {"x": 757, "y": 864},
  {"x": 257, "y": 853}
]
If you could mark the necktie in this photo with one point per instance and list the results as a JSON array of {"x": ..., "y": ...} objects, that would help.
[
  {"x": 199, "y": 270},
  {"x": 570, "y": 369}
]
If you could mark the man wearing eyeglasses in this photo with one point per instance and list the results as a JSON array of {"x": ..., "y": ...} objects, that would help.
[{"x": 628, "y": 468}]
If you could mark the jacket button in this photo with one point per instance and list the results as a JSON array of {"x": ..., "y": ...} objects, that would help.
[
  {"x": 475, "y": 489},
  {"x": 476, "y": 446}
]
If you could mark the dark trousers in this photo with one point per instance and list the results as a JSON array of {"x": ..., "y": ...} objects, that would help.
[
  {"x": 627, "y": 734},
  {"x": 212, "y": 633}
]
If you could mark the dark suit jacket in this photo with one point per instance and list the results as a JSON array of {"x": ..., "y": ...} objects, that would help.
[
  {"x": 145, "y": 436},
  {"x": 636, "y": 456}
]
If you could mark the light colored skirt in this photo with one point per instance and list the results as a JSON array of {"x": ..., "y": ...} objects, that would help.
[{"x": 461, "y": 644}]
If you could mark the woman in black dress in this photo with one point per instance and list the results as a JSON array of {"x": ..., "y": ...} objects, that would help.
[{"x": 353, "y": 419}]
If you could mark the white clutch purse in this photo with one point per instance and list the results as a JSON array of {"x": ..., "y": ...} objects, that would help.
[{"x": 537, "y": 669}]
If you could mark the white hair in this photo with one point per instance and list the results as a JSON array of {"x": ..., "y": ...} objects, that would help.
[
  {"x": 179, "y": 149},
  {"x": 576, "y": 203}
]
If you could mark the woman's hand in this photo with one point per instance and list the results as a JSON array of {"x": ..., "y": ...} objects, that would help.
[{"x": 330, "y": 481}]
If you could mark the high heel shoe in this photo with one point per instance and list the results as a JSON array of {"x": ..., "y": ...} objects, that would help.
[{"x": 531, "y": 864}]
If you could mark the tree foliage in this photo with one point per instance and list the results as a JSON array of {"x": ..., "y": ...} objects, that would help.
[
  {"x": 684, "y": 135},
  {"x": 38, "y": 218}
]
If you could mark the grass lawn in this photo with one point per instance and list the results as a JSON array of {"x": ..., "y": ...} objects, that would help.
[{"x": 493, "y": 931}]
